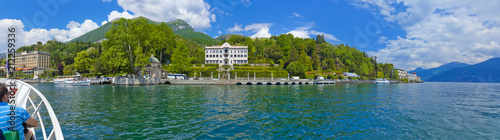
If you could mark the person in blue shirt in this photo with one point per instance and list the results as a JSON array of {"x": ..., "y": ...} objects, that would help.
[{"x": 13, "y": 117}]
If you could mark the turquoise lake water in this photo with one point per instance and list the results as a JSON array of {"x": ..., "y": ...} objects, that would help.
[{"x": 352, "y": 111}]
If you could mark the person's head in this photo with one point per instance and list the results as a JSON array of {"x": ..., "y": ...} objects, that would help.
[{"x": 4, "y": 93}]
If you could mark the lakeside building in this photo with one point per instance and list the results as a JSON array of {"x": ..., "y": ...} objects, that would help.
[
  {"x": 32, "y": 59},
  {"x": 405, "y": 75},
  {"x": 350, "y": 74},
  {"x": 154, "y": 69},
  {"x": 412, "y": 77},
  {"x": 226, "y": 54},
  {"x": 402, "y": 73}
]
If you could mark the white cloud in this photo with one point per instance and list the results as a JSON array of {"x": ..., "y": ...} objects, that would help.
[
  {"x": 295, "y": 14},
  {"x": 236, "y": 28},
  {"x": 300, "y": 33},
  {"x": 262, "y": 33},
  {"x": 261, "y": 30},
  {"x": 305, "y": 32},
  {"x": 257, "y": 26},
  {"x": 194, "y": 12},
  {"x": 212, "y": 18},
  {"x": 24, "y": 38},
  {"x": 115, "y": 14},
  {"x": 220, "y": 32},
  {"x": 439, "y": 32},
  {"x": 327, "y": 36},
  {"x": 103, "y": 22},
  {"x": 382, "y": 40},
  {"x": 246, "y": 2}
]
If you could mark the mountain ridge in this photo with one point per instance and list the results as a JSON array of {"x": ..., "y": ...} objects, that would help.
[
  {"x": 179, "y": 27},
  {"x": 426, "y": 74},
  {"x": 484, "y": 72}
]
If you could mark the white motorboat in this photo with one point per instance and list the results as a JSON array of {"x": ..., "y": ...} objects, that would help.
[
  {"x": 33, "y": 101},
  {"x": 74, "y": 80},
  {"x": 382, "y": 81}
]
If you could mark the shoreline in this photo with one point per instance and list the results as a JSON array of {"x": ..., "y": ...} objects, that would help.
[{"x": 237, "y": 82}]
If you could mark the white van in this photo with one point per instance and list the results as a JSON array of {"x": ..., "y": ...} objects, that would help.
[
  {"x": 320, "y": 78},
  {"x": 295, "y": 78}
]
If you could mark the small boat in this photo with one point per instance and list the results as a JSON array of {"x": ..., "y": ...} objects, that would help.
[
  {"x": 382, "y": 81},
  {"x": 74, "y": 80}
]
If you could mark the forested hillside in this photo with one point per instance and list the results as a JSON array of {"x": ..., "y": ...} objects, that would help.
[{"x": 130, "y": 42}]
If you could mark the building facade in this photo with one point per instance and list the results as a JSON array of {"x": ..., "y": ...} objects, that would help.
[
  {"x": 226, "y": 54},
  {"x": 32, "y": 59},
  {"x": 402, "y": 74}
]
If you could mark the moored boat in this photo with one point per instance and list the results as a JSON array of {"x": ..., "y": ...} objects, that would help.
[
  {"x": 382, "y": 81},
  {"x": 74, "y": 80}
]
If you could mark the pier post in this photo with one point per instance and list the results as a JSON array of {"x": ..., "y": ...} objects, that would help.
[
  {"x": 229, "y": 76},
  {"x": 235, "y": 76},
  {"x": 212, "y": 76},
  {"x": 254, "y": 76},
  {"x": 288, "y": 77},
  {"x": 272, "y": 79}
]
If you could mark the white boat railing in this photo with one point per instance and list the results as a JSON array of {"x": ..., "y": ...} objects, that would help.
[{"x": 22, "y": 97}]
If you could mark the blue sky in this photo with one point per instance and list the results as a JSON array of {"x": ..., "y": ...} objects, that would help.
[{"x": 408, "y": 33}]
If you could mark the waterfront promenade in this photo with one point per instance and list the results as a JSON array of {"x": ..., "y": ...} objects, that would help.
[{"x": 243, "y": 81}]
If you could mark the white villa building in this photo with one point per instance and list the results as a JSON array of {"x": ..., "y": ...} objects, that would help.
[{"x": 226, "y": 54}]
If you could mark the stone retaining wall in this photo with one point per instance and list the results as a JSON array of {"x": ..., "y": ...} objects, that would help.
[{"x": 135, "y": 81}]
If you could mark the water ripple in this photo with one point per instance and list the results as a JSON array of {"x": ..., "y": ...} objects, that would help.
[{"x": 360, "y": 111}]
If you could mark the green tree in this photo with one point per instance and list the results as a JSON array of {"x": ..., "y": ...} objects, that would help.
[
  {"x": 3, "y": 61},
  {"x": 395, "y": 74},
  {"x": 180, "y": 58},
  {"x": 83, "y": 62},
  {"x": 315, "y": 60},
  {"x": 163, "y": 39},
  {"x": 285, "y": 44},
  {"x": 294, "y": 55},
  {"x": 129, "y": 44},
  {"x": 274, "y": 53},
  {"x": 320, "y": 39},
  {"x": 98, "y": 68},
  {"x": 296, "y": 69},
  {"x": 364, "y": 70},
  {"x": 68, "y": 70}
]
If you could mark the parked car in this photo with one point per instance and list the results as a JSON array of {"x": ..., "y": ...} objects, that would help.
[{"x": 295, "y": 78}]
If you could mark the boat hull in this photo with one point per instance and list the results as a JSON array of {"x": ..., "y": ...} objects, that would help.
[{"x": 73, "y": 83}]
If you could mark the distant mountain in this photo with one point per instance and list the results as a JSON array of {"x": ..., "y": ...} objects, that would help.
[
  {"x": 223, "y": 37},
  {"x": 426, "y": 74},
  {"x": 94, "y": 35},
  {"x": 484, "y": 72},
  {"x": 179, "y": 27}
]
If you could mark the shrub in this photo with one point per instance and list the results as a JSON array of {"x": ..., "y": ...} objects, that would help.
[
  {"x": 331, "y": 76},
  {"x": 296, "y": 69},
  {"x": 271, "y": 64},
  {"x": 317, "y": 75}
]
